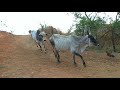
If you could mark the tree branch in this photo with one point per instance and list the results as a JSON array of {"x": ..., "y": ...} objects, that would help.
[
  {"x": 105, "y": 34},
  {"x": 87, "y": 16},
  {"x": 95, "y": 17}
]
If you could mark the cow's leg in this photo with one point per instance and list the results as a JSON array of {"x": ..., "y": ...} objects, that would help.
[
  {"x": 55, "y": 51},
  {"x": 44, "y": 48},
  {"x": 40, "y": 47},
  {"x": 77, "y": 54},
  {"x": 57, "y": 56},
  {"x": 58, "y": 59},
  {"x": 36, "y": 44},
  {"x": 74, "y": 59}
]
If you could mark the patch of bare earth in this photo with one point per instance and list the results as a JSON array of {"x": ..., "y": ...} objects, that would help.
[{"x": 21, "y": 58}]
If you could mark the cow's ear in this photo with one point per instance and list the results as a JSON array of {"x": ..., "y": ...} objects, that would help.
[
  {"x": 87, "y": 33},
  {"x": 29, "y": 31}
]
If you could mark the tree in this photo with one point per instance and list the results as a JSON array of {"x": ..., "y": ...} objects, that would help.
[
  {"x": 70, "y": 29},
  {"x": 43, "y": 26},
  {"x": 115, "y": 29},
  {"x": 98, "y": 27},
  {"x": 88, "y": 22}
]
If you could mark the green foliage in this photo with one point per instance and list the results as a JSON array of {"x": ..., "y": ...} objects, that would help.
[
  {"x": 94, "y": 23},
  {"x": 84, "y": 23},
  {"x": 116, "y": 27}
]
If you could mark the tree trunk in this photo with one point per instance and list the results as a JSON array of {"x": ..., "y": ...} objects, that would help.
[{"x": 113, "y": 40}]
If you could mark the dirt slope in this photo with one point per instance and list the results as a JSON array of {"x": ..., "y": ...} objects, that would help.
[{"x": 20, "y": 58}]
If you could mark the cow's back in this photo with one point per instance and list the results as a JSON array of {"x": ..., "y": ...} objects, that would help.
[{"x": 33, "y": 34}]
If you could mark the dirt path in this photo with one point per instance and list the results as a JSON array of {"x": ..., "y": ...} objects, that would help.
[{"x": 20, "y": 58}]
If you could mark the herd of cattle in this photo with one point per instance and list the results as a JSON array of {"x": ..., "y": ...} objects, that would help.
[{"x": 75, "y": 44}]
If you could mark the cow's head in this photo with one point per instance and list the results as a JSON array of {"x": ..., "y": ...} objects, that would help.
[
  {"x": 44, "y": 35},
  {"x": 92, "y": 41},
  {"x": 29, "y": 31}
]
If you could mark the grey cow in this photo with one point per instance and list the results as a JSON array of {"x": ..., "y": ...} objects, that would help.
[{"x": 74, "y": 44}]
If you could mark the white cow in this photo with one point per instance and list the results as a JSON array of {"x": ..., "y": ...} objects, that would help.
[{"x": 39, "y": 36}]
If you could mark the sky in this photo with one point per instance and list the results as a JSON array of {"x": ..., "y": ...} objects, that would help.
[{"x": 21, "y": 22}]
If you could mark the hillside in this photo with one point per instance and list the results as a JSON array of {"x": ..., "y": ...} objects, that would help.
[{"x": 20, "y": 58}]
